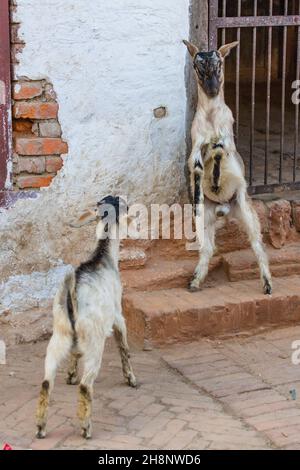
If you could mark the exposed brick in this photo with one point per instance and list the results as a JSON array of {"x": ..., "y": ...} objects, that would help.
[
  {"x": 262, "y": 212},
  {"x": 243, "y": 264},
  {"x": 35, "y": 129},
  {"x": 27, "y": 90},
  {"x": 15, "y": 50},
  {"x": 31, "y": 165},
  {"x": 275, "y": 420},
  {"x": 267, "y": 408},
  {"x": 150, "y": 429},
  {"x": 164, "y": 435},
  {"x": 279, "y": 222},
  {"x": 231, "y": 237},
  {"x": 40, "y": 146},
  {"x": 182, "y": 439},
  {"x": 36, "y": 181},
  {"x": 285, "y": 435},
  {"x": 137, "y": 406},
  {"x": 14, "y": 34},
  {"x": 296, "y": 214},
  {"x": 49, "y": 92},
  {"x": 22, "y": 125},
  {"x": 50, "y": 129},
  {"x": 52, "y": 441},
  {"x": 35, "y": 110},
  {"x": 53, "y": 164},
  {"x": 13, "y": 10}
]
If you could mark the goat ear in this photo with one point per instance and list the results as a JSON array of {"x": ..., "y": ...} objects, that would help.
[
  {"x": 225, "y": 50},
  {"x": 193, "y": 50},
  {"x": 85, "y": 219}
]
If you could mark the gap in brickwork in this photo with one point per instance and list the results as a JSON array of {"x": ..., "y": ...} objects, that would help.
[{"x": 37, "y": 143}]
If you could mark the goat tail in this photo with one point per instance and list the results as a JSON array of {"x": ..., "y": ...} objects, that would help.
[
  {"x": 198, "y": 204},
  {"x": 66, "y": 297}
]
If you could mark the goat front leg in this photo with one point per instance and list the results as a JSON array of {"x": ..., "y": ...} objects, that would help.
[
  {"x": 196, "y": 188},
  {"x": 120, "y": 333},
  {"x": 208, "y": 248},
  {"x": 58, "y": 348},
  {"x": 247, "y": 215}
]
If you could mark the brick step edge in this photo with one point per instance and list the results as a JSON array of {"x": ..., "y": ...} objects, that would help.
[{"x": 149, "y": 327}]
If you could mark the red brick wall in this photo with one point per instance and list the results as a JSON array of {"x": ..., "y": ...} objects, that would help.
[{"x": 37, "y": 141}]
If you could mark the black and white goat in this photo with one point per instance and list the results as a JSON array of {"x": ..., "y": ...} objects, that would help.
[{"x": 87, "y": 308}]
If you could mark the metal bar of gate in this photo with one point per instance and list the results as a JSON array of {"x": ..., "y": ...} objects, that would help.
[
  {"x": 213, "y": 31},
  {"x": 253, "y": 96},
  {"x": 269, "y": 69},
  {"x": 283, "y": 92},
  {"x": 274, "y": 188},
  {"x": 222, "y": 22},
  {"x": 224, "y": 16},
  {"x": 251, "y": 21},
  {"x": 224, "y": 38}
]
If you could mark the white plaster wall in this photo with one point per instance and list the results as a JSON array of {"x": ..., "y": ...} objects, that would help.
[{"x": 111, "y": 64}]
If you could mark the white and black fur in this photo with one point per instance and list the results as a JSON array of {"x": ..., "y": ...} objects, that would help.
[{"x": 86, "y": 310}]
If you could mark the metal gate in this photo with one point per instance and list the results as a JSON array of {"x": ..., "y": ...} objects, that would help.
[
  {"x": 5, "y": 97},
  {"x": 263, "y": 70}
]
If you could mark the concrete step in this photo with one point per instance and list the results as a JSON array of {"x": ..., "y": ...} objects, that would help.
[
  {"x": 164, "y": 274},
  {"x": 242, "y": 264},
  {"x": 132, "y": 258},
  {"x": 175, "y": 315}
]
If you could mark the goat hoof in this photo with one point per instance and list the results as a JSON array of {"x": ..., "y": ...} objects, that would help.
[
  {"x": 267, "y": 289},
  {"x": 86, "y": 433},
  {"x": 41, "y": 433},
  {"x": 132, "y": 382},
  {"x": 193, "y": 286},
  {"x": 267, "y": 286}
]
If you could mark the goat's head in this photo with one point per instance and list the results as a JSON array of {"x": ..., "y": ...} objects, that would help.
[
  {"x": 111, "y": 210},
  {"x": 209, "y": 67}
]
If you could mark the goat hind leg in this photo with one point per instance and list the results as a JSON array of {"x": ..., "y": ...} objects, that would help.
[
  {"x": 207, "y": 250},
  {"x": 120, "y": 333},
  {"x": 92, "y": 359},
  {"x": 58, "y": 348},
  {"x": 249, "y": 218}
]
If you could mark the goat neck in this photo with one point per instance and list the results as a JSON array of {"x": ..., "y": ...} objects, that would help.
[
  {"x": 206, "y": 104},
  {"x": 112, "y": 241}
]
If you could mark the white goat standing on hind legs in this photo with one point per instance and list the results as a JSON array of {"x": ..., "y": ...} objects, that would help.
[
  {"x": 86, "y": 309},
  {"x": 218, "y": 188}
]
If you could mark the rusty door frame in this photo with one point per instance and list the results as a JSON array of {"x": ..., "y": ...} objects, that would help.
[
  {"x": 217, "y": 22},
  {"x": 5, "y": 97}
]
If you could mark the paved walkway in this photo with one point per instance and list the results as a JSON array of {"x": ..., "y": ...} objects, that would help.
[{"x": 232, "y": 393}]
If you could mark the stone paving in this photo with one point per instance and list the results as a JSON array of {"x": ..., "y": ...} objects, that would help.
[{"x": 229, "y": 393}]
